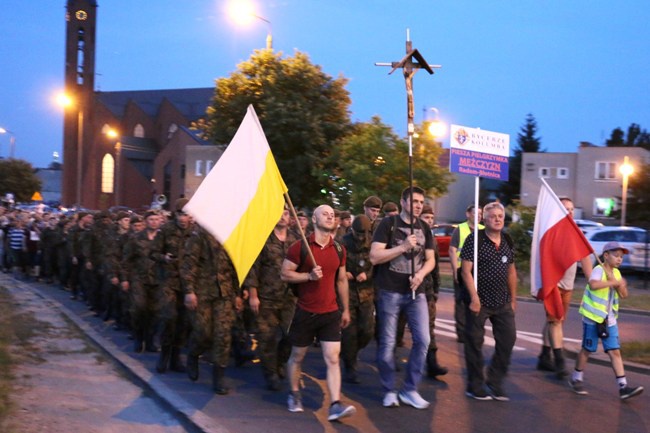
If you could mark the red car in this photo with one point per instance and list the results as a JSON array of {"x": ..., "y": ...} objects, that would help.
[{"x": 442, "y": 233}]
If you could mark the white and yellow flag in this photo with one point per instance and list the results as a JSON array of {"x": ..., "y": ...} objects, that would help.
[{"x": 242, "y": 198}]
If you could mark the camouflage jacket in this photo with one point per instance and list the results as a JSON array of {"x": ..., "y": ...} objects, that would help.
[
  {"x": 171, "y": 240},
  {"x": 93, "y": 244},
  {"x": 137, "y": 264},
  {"x": 115, "y": 244},
  {"x": 265, "y": 272},
  {"x": 357, "y": 262},
  {"x": 74, "y": 241},
  {"x": 206, "y": 269}
]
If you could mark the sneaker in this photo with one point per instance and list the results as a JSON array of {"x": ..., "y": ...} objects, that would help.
[
  {"x": 578, "y": 387},
  {"x": 390, "y": 399},
  {"x": 629, "y": 392},
  {"x": 338, "y": 410},
  {"x": 496, "y": 392},
  {"x": 479, "y": 394},
  {"x": 413, "y": 398},
  {"x": 294, "y": 403}
]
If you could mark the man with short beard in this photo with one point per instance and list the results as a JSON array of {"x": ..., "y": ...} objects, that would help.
[
  {"x": 403, "y": 255},
  {"x": 317, "y": 312}
]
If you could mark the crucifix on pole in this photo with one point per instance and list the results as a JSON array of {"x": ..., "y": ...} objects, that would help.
[{"x": 410, "y": 64}]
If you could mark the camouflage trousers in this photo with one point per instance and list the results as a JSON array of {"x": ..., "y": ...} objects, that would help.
[
  {"x": 143, "y": 309},
  {"x": 273, "y": 323},
  {"x": 359, "y": 333},
  {"x": 172, "y": 317},
  {"x": 211, "y": 329}
]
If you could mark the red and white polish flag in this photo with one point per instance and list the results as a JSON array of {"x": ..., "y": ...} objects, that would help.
[{"x": 557, "y": 244}]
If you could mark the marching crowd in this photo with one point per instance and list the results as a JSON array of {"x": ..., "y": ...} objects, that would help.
[{"x": 170, "y": 284}]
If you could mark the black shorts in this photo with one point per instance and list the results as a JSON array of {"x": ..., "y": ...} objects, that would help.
[{"x": 306, "y": 326}]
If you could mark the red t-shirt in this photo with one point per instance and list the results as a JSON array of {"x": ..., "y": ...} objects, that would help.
[{"x": 318, "y": 296}]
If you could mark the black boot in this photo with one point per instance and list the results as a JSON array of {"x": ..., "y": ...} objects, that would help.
[
  {"x": 560, "y": 370},
  {"x": 163, "y": 359},
  {"x": 545, "y": 363},
  {"x": 351, "y": 375},
  {"x": 193, "y": 367},
  {"x": 175, "y": 363},
  {"x": 219, "y": 380},
  {"x": 433, "y": 368}
]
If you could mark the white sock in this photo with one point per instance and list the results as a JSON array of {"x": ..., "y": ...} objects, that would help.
[
  {"x": 622, "y": 381},
  {"x": 577, "y": 376}
]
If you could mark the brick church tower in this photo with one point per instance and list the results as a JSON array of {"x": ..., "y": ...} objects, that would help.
[{"x": 81, "y": 26}]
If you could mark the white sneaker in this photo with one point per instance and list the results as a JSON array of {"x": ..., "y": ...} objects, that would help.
[
  {"x": 390, "y": 399},
  {"x": 413, "y": 398}
]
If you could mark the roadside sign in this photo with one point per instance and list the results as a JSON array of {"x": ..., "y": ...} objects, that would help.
[{"x": 480, "y": 153}]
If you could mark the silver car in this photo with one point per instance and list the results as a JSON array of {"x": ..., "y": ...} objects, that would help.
[{"x": 632, "y": 238}]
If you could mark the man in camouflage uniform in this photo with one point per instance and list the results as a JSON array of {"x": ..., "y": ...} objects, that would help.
[
  {"x": 272, "y": 302},
  {"x": 75, "y": 234},
  {"x": 431, "y": 285},
  {"x": 362, "y": 293},
  {"x": 113, "y": 295},
  {"x": 48, "y": 245},
  {"x": 169, "y": 250},
  {"x": 139, "y": 277},
  {"x": 212, "y": 297},
  {"x": 93, "y": 248}
]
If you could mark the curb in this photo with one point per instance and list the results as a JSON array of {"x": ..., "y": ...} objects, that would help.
[{"x": 181, "y": 409}]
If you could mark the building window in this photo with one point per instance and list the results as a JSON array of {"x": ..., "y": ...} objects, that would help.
[
  {"x": 605, "y": 170},
  {"x": 138, "y": 131},
  {"x": 198, "y": 168},
  {"x": 208, "y": 166},
  {"x": 562, "y": 173},
  {"x": 544, "y": 172},
  {"x": 603, "y": 207},
  {"x": 108, "y": 173},
  {"x": 182, "y": 171}
]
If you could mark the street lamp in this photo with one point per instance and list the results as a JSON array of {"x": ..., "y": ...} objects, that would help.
[
  {"x": 243, "y": 11},
  {"x": 626, "y": 170},
  {"x": 437, "y": 128},
  {"x": 67, "y": 102},
  {"x": 12, "y": 141}
]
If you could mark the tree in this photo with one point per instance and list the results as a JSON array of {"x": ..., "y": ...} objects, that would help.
[
  {"x": 636, "y": 137},
  {"x": 373, "y": 160},
  {"x": 527, "y": 141},
  {"x": 17, "y": 177},
  {"x": 303, "y": 112}
]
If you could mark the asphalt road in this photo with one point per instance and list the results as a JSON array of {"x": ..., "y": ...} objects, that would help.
[{"x": 539, "y": 402}]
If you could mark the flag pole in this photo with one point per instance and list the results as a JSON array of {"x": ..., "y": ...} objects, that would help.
[{"x": 302, "y": 233}]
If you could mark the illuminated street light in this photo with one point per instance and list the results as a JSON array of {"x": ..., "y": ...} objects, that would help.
[
  {"x": 437, "y": 128},
  {"x": 626, "y": 170},
  {"x": 65, "y": 101},
  {"x": 243, "y": 12},
  {"x": 12, "y": 141}
]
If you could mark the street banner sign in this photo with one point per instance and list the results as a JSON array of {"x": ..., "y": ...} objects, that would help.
[{"x": 480, "y": 153}]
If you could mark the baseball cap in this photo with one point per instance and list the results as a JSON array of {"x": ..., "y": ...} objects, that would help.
[{"x": 611, "y": 246}]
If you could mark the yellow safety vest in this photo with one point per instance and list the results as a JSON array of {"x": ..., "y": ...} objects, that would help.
[
  {"x": 463, "y": 231},
  {"x": 594, "y": 302}
]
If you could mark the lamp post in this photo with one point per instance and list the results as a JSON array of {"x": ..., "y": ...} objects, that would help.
[
  {"x": 12, "y": 141},
  {"x": 243, "y": 11},
  {"x": 626, "y": 170},
  {"x": 66, "y": 102}
]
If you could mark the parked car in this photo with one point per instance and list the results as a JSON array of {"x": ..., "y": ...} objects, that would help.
[
  {"x": 442, "y": 233},
  {"x": 586, "y": 225},
  {"x": 632, "y": 238}
]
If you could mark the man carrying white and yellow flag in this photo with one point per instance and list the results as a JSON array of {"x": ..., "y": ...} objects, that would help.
[{"x": 241, "y": 199}]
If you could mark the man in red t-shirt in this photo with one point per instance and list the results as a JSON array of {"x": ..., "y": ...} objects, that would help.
[{"x": 317, "y": 312}]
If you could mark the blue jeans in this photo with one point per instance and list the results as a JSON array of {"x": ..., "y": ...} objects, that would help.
[{"x": 417, "y": 316}]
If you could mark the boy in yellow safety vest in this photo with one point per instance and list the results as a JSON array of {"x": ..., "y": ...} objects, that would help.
[{"x": 599, "y": 309}]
